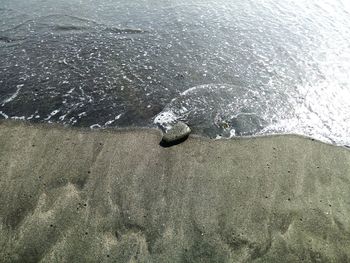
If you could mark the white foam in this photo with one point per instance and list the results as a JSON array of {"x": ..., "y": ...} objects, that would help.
[
  {"x": 13, "y": 96},
  {"x": 189, "y": 90},
  {"x": 52, "y": 114},
  {"x": 82, "y": 114},
  {"x": 232, "y": 133},
  {"x": 70, "y": 91},
  {"x": 5, "y": 115},
  {"x": 18, "y": 118},
  {"x": 30, "y": 117},
  {"x": 109, "y": 122},
  {"x": 165, "y": 119},
  {"x": 95, "y": 126},
  {"x": 115, "y": 118},
  {"x": 61, "y": 118}
]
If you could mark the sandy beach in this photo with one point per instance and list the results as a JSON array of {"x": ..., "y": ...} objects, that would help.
[{"x": 75, "y": 195}]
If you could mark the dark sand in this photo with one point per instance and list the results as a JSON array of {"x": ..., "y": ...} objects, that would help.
[{"x": 117, "y": 196}]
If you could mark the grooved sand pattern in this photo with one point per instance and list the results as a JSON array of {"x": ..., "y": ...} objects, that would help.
[{"x": 70, "y": 195}]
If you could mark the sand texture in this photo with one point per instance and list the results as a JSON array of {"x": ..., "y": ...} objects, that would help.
[{"x": 70, "y": 195}]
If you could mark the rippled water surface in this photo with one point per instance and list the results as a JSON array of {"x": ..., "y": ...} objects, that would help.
[{"x": 227, "y": 68}]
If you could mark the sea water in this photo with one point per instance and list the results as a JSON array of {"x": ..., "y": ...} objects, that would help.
[{"x": 227, "y": 68}]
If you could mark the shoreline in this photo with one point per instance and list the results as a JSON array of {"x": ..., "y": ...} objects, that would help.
[
  {"x": 155, "y": 130},
  {"x": 81, "y": 195}
]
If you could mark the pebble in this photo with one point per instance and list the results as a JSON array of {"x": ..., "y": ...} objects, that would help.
[{"x": 176, "y": 133}]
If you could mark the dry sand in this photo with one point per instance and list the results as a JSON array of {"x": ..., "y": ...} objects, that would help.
[{"x": 70, "y": 195}]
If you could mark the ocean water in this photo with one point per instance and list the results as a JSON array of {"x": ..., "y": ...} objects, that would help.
[{"x": 227, "y": 68}]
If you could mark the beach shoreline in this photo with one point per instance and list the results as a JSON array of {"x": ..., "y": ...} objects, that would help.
[{"x": 116, "y": 195}]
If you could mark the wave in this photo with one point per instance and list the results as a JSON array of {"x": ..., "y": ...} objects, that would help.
[
  {"x": 58, "y": 23},
  {"x": 223, "y": 111},
  {"x": 217, "y": 110}
]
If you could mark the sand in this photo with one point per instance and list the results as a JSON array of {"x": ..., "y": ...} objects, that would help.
[{"x": 74, "y": 195}]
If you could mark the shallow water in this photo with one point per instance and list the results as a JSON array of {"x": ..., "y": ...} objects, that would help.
[{"x": 228, "y": 68}]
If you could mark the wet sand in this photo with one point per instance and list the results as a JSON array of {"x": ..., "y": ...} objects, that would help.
[{"x": 74, "y": 195}]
